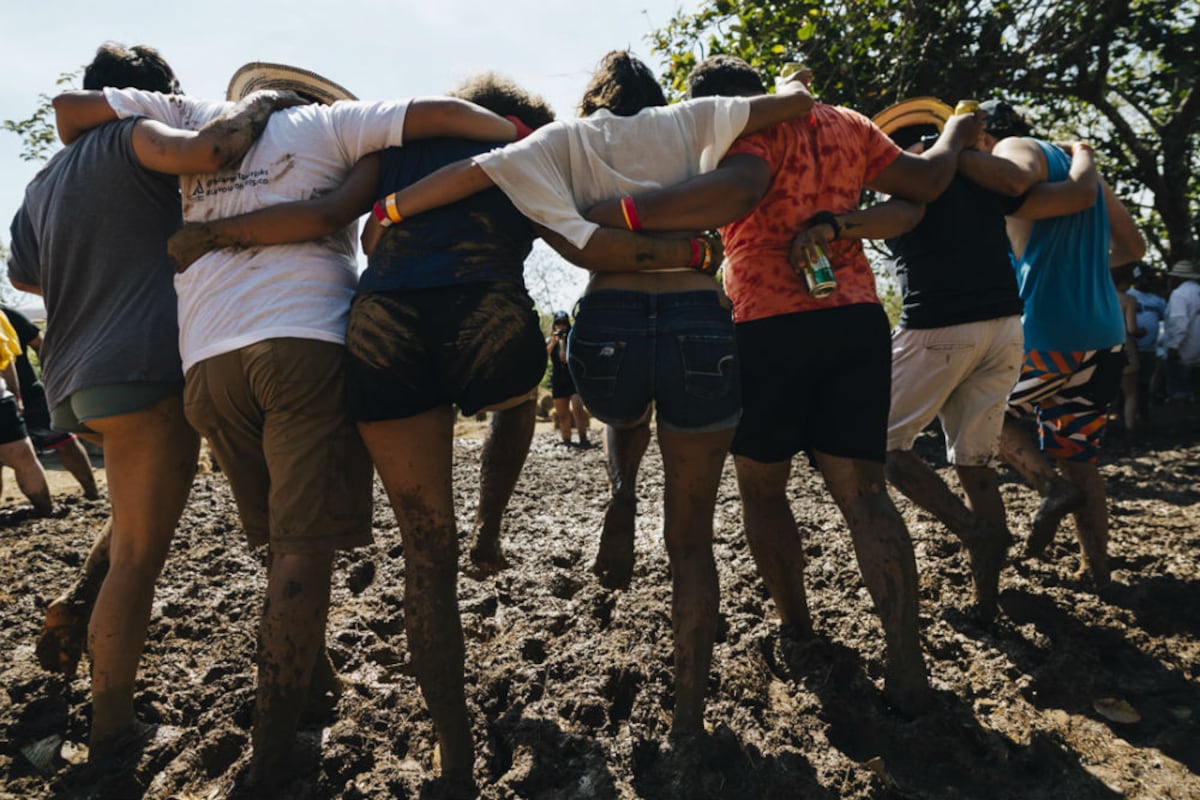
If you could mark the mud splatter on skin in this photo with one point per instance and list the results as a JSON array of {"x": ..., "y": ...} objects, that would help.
[{"x": 569, "y": 685}]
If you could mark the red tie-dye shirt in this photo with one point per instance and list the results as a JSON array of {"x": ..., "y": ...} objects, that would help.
[{"x": 821, "y": 163}]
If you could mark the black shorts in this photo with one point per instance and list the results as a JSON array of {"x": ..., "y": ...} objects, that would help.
[
  {"x": 561, "y": 383},
  {"x": 12, "y": 427},
  {"x": 815, "y": 381},
  {"x": 410, "y": 351}
]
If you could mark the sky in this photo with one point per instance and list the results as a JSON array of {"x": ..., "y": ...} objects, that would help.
[{"x": 375, "y": 49}]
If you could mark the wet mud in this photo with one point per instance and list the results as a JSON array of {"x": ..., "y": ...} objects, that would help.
[{"x": 569, "y": 684}]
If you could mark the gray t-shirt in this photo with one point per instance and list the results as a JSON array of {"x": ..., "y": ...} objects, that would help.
[{"x": 92, "y": 234}]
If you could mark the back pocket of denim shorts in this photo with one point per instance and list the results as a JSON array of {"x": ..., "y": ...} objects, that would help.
[
  {"x": 708, "y": 365},
  {"x": 595, "y": 366}
]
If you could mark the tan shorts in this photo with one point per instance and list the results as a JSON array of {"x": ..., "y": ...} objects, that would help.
[
  {"x": 274, "y": 414},
  {"x": 961, "y": 374}
]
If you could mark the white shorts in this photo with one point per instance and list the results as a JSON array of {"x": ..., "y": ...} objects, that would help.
[{"x": 961, "y": 374}]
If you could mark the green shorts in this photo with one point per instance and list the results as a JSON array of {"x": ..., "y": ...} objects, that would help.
[{"x": 109, "y": 400}]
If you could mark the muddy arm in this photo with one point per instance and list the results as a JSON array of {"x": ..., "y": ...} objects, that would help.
[{"x": 285, "y": 223}]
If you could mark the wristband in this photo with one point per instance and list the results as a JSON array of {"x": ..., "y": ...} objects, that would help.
[
  {"x": 523, "y": 130},
  {"x": 632, "y": 221},
  {"x": 826, "y": 218},
  {"x": 385, "y": 211}
]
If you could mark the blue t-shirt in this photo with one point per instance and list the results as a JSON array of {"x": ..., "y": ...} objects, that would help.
[
  {"x": 1070, "y": 302},
  {"x": 482, "y": 238},
  {"x": 1151, "y": 310}
]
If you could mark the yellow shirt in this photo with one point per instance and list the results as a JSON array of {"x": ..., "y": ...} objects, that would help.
[{"x": 10, "y": 343}]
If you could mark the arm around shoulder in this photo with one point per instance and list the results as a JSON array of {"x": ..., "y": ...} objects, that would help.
[{"x": 77, "y": 112}]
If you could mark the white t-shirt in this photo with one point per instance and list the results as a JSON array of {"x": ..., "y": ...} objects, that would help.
[
  {"x": 1183, "y": 321},
  {"x": 566, "y": 167},
  {"x": 232, "y": 298}
]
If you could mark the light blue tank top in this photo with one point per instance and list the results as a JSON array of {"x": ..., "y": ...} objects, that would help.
[{"x": 1070, "y": 301}]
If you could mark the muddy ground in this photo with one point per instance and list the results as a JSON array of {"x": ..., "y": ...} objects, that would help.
[{"x": 570, "y": 683}]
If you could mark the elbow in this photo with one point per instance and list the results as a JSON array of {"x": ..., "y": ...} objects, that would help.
[{"x": 67, "y": 132}]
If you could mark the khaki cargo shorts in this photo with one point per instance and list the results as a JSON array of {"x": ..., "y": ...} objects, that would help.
[{"x": 274, "y": 414}]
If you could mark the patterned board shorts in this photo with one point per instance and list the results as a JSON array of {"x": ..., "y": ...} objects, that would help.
[{"x": 1068, "y": 395}]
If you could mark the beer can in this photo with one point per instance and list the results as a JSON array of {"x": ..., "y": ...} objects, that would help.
[
  {"x": 819, "y": 275},
  {"x": 791, "y": 68},
  {"x": 966, "y": 107}
]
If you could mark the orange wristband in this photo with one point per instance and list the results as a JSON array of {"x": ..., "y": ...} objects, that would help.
[{"x": 385, "y": 211}]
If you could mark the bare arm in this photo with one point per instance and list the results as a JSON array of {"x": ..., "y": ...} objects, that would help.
[
  {"x": 704, "y": 202},
  {"x": 9, "y": 374},
  {"x": 219, "y": 145},
  {"x": 284, "y": 223},
  {"x": 1074, "y": 194},
  {"x": 1011, "y": 168},
  {"x": 447, "y": 185},
  {"x": 791, "y": 100},
  {"x": 923, "y": 178},
  {"x": 447, "y": 116},
  {"x": 881, "y": 221},
  {"x": 1126, "y": 242},
  {"x": 80, "y": 111},
  {"x": 615, "y": 250}
]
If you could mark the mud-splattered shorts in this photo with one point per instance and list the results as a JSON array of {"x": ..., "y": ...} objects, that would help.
[
  {"x": 1068, "y": 394},
  {"x": 274, "y": 414},
  {"x": 410, "y": 351}
]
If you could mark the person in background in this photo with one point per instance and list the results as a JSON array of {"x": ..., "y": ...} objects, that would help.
[
  {"x": 1151, "y": 311},
  {"x": 16, "y": 450},
  {"x": 568, "y": 405},
  {"x": 1182, "y": 334},
  {"x": 65, "y": 445}
]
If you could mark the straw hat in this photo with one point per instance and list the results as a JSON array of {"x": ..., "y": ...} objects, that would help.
[
  {"x": 1184, "y": 269},
  {"x": 915, "y": 111},
  {"x": 260, "y": 75}
]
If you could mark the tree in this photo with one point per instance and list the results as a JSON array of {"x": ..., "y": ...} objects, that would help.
[
  {"x": 1121, "y": 73},
  {"x": 38, "y": 134}
]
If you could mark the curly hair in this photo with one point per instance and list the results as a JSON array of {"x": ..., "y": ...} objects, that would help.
[
  {"x": 623, "y": 85},
  {"x": 724, "y": 76},
  {"x": 139, "y": 67},
  {"x": 501, "y": 96}
]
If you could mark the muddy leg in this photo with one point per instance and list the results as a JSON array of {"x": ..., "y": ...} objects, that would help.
[
  {"x": 624, "y": 450},
  {"x": 291, "y": 634},
  {"x": 31, "y": 477},
  {"x": 774, "y": 538},
  {"x": 692, "y": 470},
  {"x": 75, "y": 459},
  {"x": 1059, "y": 496},
  {"x": 1091, "y": 520},
  {"x": 504, "y": 454},
  {"x": 150, "y": 474},
  {"x": 889, "y": 568},
  {"x": 64, "y": 631},
  {"x": 988, "y": 547},
  {"x": 562, "y": 415},
  {"x": 414, "y": 459},
  {"x": 921, "y": 484}
]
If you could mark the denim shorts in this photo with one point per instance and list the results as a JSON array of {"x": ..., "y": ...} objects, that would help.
[{"x": 628, "y": 349}]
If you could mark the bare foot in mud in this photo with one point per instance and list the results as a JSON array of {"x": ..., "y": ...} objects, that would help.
[
  {"x": 127, "y": 746},
  {"x": 64, "y": 634},
  {"x": 906, "y": 685},
  {"x": 614, "y": 560},
  {"x": 1062, "y": 499},
  {"x": 988, "y": 552},
  {"x": 486, "y": 556}
]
